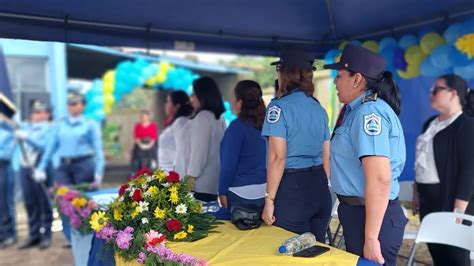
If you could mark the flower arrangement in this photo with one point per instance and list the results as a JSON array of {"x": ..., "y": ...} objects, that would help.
[
  {"x": 76, "y": 207},
  {"x": 152, "y": 208}
]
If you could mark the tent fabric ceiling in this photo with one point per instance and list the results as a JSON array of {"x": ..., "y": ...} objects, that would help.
[{"x": 259, "y": 27}]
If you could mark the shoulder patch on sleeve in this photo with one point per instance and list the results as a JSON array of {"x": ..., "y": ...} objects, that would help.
[
  {"x": 372, "y": 124},
  {"x": 273, "y": 114}
]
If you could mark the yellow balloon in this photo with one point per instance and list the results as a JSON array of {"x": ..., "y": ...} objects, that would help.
[
  {"x": 150, "y": 81},
  {"x": 160, "y": 78},
  {"x": 109, "y": 99},
  {"x": 414, "y": 55},
  {"x": 465, "y": 44},
  {"x": 431, "y": 41},
  {"x": 413, "y": 71},
  {"x": 107, "y": 109},
  {"x": 337, "y": 59},
  {"x": 109, "y": 76},
  {"x": 372, "y": 46},
  {"x": 343, "y": 45}
]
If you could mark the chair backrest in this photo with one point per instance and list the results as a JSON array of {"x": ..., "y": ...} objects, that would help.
[{"x": 441, "y": 228}]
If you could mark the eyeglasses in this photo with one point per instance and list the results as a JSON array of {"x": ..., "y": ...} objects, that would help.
[
  {"x": 437, "y": 89},
  {"x": 72, "y": 103}
]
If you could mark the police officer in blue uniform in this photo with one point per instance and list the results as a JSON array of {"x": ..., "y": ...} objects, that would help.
[
  {"x": 33, "y": 137},
  {"x": 296, "y": 129},
  {"x": 77, "y": 141},
  {"x": 7, "y": 149},
  {"x": 368, "y": 155}
]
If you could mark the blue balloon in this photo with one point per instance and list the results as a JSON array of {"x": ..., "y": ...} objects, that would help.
[
  {"x": 424, "y": 31},
  {"x": 331, "y": 55},
  {"x": 399, "y": 59},
  {"x": 468, "y": 26},
  {"x": 427, "y": 69},
  {"x": 388, "y": 53},
  {"x": 453, "y": 32},
  {"x": 227, "y": 105},
  {"x": 467, "y": 72},
  {"x": 387, "y": 42},
  {"x": 441, "y": 56},
  {"x": 407, "y": 41},
  {"x": 459, "y": 59},
  {"x": 356, "y": 42}
]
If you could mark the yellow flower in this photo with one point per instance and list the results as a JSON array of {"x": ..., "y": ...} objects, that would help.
[
  {"x": 153, "y": 190},
  {"x": 134, "y": 204},
  {"x": 62, "y": 190},
  {"x": 180, "y": 235},
  {"x": 190, "y": 228},
  {"x": 98, "y": 220},
  {"x": 118, "y": 216},
  {"x": 79, "y": 202},
  {"x": 173, "y": 189},
  {"x": 159, "y": 213},
  {"x": 160, "y": 175},
  {"x": 135, "y": 213},
  {"x": 174, "y": 198}
]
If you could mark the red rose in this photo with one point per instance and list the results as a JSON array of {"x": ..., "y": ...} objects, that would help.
[
  {"x": 172, "y": 177},
  {"x": 140, "y": 172},
  {"x": 173, "y": 225},
  {"x": 137, "y": 195},
  {"x": 122, "y": 189}
]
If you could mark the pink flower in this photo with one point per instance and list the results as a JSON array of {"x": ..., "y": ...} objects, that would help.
[
  {"x": 141, "y": 258},
  {"x": 91, "y": 205},
  {"x": 70, "y": 195},
  {"x": 107, "y": 233},
  {"x": 86, "y": 213},
  {"x": 154, "y": 238},
  {"x": 124, "y": 238},
  {"x": 75, "y": 221}
]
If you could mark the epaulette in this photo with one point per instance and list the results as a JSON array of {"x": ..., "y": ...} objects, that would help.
[{"x": 370, "y": 98}]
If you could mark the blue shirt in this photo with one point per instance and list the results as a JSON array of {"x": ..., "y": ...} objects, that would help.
[
  {"x": 242, "y": 157},
  {"x": 368, "y": 129},
  {"x": 7, "y": 141},
  {"x": 75, "y": 137},
  {"x": 38, "y": 135},
  {"x": 303, "y": 123}
]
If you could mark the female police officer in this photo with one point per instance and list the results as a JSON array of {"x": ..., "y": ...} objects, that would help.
[
  {"x": 77, "y": 141},
  {"x": 368, "y": 155},
  {"x": 297, "y": 197}
]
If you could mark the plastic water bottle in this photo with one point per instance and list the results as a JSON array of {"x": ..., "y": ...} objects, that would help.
[{"x": 297, "y": 243}]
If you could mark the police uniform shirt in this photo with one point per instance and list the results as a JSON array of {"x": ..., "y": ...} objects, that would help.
[
  {"x": 73, "y": 138},
  {"x": 370, "y": 128},
  {"x": 38, "y": 135},
  {"x": 7, "y": 141},
  {"x": 303, "y": 123}
]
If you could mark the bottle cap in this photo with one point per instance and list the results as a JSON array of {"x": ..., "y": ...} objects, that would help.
[{"x": 282, "y": 249}]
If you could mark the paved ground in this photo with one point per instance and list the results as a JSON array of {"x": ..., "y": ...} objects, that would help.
[{"x": 58, "y": 256}]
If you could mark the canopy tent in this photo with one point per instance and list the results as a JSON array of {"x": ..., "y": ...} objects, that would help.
[{"x": 244, "y": 26}]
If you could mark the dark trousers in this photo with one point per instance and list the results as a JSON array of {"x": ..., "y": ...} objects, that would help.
[
  {"x": 206, "y": 197},
  {"x": 38, "y": 207},
  {"x": 233, "y": 198},
  {"x": 430, "y": 201},
  {"x": 7, "y": 226},
  {"x": 303, "y": 203},
  {"x": 77, "y": 172},
  {"x": 391, "y": 233},
  {"x": 142, "y": 158}
]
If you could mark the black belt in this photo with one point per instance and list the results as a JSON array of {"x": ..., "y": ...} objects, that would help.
[
  {"x": 3, "y": 161},
  {"x": 299, "y": 170},
  {"x": 70, "y": 160},
  {"x": 356, "y": 201}
]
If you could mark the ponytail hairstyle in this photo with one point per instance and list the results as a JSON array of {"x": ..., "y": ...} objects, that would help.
[
  {"x": 253, "y": 108},
  {"x": 386, "y": 88},
  {"x": 182, "y": 99}
]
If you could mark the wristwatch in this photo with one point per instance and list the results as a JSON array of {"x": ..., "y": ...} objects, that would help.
[{"x": 268, "y": 196}]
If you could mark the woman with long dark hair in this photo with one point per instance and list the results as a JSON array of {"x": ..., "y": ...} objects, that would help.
[
  {"x": 296, "y": 129},
  {"x": 444, "y": 163},
  {"x": 178, "y": 108},
  {"x": 200, "y": 157},
  {"x": 368, "y": 155},
  {"x": 243, "y": 170}
]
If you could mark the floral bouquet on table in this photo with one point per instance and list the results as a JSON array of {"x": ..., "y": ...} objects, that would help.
[
  {"x": 151, "y": 208},
  {"x": 76, "y": 207}
]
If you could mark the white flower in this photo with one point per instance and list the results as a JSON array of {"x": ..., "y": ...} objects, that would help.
[
  {"x": 146, "y": 194},
  {"x": 190, "y": 195},
  {"x": 143, "y": 206},
  {"x": 121, "y": 199},
  {"x": 144, "y": 220},
  {"x": 181, "y": 209},
  {"x": 150, "y": 178},
  {"x": 144, "y": 186},
  {"x": 131, "y": 192},
  {"x": 166, "y": 184}
]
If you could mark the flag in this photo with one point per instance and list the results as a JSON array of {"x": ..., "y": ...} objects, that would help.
[{"x": 7, "y": 107}]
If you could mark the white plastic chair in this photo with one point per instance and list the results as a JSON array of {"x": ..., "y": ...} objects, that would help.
[{"x": 441, "y": 228}]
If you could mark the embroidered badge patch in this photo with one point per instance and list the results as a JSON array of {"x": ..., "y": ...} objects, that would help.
[
  {"x": 372, "y": 124},
  {"x": 273, "y": 114}
]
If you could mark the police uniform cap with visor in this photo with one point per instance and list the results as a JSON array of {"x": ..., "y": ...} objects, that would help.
[
  {"x": 39, "y": 106},
  {"x": 295, "y": 57},
  {"x": 74, "y": 97}
]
